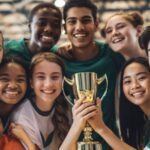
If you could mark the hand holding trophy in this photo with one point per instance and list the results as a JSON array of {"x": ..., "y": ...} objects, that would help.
[{"x": 85, "y": 85}]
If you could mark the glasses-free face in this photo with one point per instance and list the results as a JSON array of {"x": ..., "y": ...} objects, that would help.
[
  {"x": 47, "y": 83},
  {"x": 121, "y": 35},
  {"x": 80, "y": 27},
  {"x": 136, "y": 84},
  {"x": 45, "y": 29},
  {"x": 13, "y": 83}
]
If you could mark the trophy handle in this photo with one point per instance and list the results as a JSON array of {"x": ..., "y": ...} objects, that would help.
[
  {"x": 100, "y": 80},
  {"x": 70, "y": 82}
]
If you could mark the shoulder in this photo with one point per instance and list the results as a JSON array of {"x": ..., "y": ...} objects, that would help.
[
  {"x": 23, "y": 109},
  {"x": 15, "y": 46}
]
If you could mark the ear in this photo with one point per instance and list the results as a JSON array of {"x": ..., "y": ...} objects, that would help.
[
  {"x": 29, "y": 26},
  {"x": 140, "y": 30},
  {"x": 64, "y": 25},
  {"x": 96, "y": 24}
]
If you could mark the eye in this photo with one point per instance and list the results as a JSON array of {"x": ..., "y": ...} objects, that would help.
[
  {"x": 4, "y": 79},
  {"x": 21, "y": 80},
  {"x": 56, "y": 77},
  {"x": 108, "y": 31},
  {"x": 120, "y": 26},
  {"x": 86, "y": 20},
  {"x": 41, "y": 23},
  {"x": 142, "y": 77},
  {"x": 126, "y": 82},
  {"x": 71, "y": 21},
  {"x": 40, "y": 77}
]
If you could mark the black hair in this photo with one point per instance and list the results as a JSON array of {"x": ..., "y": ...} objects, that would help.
[
  {"x": 144, "y": 39},
  {"x": 80, "y": 3},
  {"x": 132, "y": 118},
  {"x": 43, "y": 5}
]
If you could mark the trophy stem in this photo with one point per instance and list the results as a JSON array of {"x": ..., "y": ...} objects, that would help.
[{"x": 88, "y": 133}]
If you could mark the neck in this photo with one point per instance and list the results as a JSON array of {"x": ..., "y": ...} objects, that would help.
[
  {"x": 44, "y": 106},
  {"x": 85, "y": 53},
  {"x": 145, "y": 108},
  {"x": 5, "y": 109},
  {"x": 134, "y": 53}
]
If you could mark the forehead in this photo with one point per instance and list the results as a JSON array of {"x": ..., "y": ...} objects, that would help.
[
  {"x": 47, "y": 12},
  {"x": 79, "y": 12},
  {"x": 134, "y": 69},
  {"x": 116, "y": 19},
  {"x": 12, "y": 67},
  {"x": 43, "y": 65}
]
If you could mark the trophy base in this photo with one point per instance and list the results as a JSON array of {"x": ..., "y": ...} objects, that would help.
[{"x": 89, "y": 146}]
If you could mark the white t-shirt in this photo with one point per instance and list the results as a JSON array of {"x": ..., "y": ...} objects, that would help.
[{"x": 38, "y": 125}]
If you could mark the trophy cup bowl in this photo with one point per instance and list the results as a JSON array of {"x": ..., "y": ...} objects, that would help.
[{"x": 85, "y": 84}]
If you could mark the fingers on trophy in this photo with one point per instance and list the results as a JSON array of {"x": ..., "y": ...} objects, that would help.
[{"x": 85, "y": 84}]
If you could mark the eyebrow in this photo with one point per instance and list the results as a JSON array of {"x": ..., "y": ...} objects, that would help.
[
  {"x": 136, "y": 75},
  {"x": 84, "y": 17},
  {"x": 5, "y": 74}
]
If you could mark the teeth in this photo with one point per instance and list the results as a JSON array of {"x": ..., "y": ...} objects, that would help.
[
  {"x": 117, "y": 40},
  {"x": 47, "y": 37},
  {"x": 12, "y": 93},
  {"x": 137, "y": 94},
  {"x": 80, "y": 35},
  {"x": 48, "y": 92}
]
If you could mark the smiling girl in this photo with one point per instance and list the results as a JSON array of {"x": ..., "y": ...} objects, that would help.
[
  {"x": 122, "y": 31},
  {"x": 44, "y": 116}
]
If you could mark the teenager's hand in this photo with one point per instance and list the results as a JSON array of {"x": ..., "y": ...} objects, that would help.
[
  {"x": 19, "y": 132},
  {"x": 1, "y": 46},
  {"x": 82, "y": 111},
  {"x": 65, "y": 50},
  {"x": 96, "y": 121}
]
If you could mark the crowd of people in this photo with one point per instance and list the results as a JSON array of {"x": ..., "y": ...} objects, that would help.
[{"x": 34, "y": 114}]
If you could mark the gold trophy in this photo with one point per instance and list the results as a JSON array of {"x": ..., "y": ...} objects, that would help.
[{"x": 85, "y": 84}]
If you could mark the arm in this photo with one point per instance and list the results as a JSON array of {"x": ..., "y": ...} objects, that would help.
[
  {"x": 18, "y": 131},
  {"x": 81, "y": 113},
  {"x": 99, "y": 126},
  {"x": 65, "y": 50}
]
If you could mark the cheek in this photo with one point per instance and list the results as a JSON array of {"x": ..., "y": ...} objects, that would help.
[{"x": 125, "y": 90}]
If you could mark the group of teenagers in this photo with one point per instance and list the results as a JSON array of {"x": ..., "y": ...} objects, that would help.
[{"x": 34, "y": 114}]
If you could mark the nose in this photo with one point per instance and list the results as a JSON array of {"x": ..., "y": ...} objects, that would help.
[
  {"x": 79, "y": 25},
  {"x": 48, "y": 83},
  {"x": 12, "y": 85},
  {"x": 48, "y": 28},
  {"x": 115, "y": 32},
  {"x": 135, "y": 84}
]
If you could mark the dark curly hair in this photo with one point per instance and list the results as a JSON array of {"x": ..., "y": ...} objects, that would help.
[{"x": 144, "y": 39}]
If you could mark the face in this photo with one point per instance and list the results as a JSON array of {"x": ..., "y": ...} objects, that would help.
[
  {"x": 136, "y": 84},
  {"x": 80, "y": 27},
  {"x": 120, "y": 34},
  {"x": 47, "y": 83},
  {"x": 12, "y": 83},
  {"x": 45, "y": 28}
]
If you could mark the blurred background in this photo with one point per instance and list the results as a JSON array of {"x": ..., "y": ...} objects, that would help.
[{"x": 14, "y": 13}]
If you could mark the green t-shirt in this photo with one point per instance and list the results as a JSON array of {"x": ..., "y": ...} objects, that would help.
[
  {"x": 106, "y": 62},
  {"x": 19, "y": 48}
]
